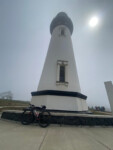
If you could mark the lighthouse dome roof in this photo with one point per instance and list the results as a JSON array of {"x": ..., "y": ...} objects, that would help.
[{"x": 61, "y": 19}]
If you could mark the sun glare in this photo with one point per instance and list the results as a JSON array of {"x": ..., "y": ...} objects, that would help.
[{"x": 93, "y": 21}]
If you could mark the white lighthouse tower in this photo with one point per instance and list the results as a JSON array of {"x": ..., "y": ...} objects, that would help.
[{"x": 59, "y": 87}]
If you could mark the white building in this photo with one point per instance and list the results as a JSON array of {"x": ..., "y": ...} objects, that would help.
[
  {"x": 59, "y": 87},
  {"x": 109, "y": 90}
]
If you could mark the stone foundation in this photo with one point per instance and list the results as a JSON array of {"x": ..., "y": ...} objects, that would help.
[{"x": 87, "y": 120}]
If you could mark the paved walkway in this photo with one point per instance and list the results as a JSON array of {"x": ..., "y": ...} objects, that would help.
[{"x": 14, "y": 136}]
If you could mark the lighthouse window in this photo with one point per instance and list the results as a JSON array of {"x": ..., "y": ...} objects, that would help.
[
  {"x": 62, "y": 74},
  {"x": 62, "y": 31}
]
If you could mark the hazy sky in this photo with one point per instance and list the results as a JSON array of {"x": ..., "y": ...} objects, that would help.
[{"x": 25, "y": 36}]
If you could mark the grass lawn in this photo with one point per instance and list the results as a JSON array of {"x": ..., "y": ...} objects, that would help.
[{"x": 12, "y": 104}]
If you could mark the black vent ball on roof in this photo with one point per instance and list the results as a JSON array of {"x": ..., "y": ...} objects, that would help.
[{"x": 61, "y": 19}]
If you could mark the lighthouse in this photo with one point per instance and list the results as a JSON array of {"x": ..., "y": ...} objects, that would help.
[{"x": 59, "y": 87}]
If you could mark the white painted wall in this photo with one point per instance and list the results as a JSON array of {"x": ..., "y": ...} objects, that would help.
[
  {"x": 60, "y": 48},
  {"x": 39, "y": 100},
  {"x": 60, "y": 103},
  {"x": 109, "y": 90}
]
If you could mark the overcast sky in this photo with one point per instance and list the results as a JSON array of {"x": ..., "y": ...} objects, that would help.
[{"x": 25, "y": 36}]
